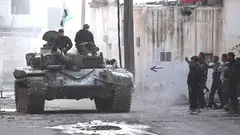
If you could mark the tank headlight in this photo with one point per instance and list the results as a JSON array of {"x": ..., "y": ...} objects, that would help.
[{"x": 103, "y": 74}]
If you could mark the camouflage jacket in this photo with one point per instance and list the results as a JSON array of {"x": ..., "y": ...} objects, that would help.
[
  {"x": 223, "y": 69},
  {"x": 216, "y": 74},
  {"x": 203, "y": 69}
]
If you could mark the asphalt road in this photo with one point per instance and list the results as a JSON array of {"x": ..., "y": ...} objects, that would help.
[{"x": 79, "y": 117}]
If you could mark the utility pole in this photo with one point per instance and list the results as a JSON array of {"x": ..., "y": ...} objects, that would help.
[
  {"x": 129, "y": 36},
  {"x": 83, "y": 12}
]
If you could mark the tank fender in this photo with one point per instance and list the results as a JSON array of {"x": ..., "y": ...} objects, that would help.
[
  {"x": 118, "y": 76},
  {"x": 27, "y": 72}
]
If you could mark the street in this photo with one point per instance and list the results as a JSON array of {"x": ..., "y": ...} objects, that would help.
[{"x": 64, "y": 117}]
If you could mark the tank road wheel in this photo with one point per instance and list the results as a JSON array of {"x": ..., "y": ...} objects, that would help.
[
  {"x": 120, "y": 101},
  {"x": 30, "y": 95}
]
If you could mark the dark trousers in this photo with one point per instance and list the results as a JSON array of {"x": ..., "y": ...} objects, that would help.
[
  {"x": 216, "y": 86},
  {"x": 225, "y": 93},
  {"x": 88, "y": 48},
  {"x": 233, "y": 106},
  {"x": 193, "y": 97},
  {"x": 201, "y": 98}
]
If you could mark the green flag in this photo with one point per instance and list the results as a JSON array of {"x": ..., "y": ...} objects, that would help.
[{"x": 66, "y": 16}]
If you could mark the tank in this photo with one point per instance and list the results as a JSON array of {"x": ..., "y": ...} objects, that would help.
[{"x": 50, "y": 74}]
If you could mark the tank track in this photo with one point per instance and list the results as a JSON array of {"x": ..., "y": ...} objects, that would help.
[
  {"x": 120, "y": 101},
  {"x": 30, "y": 95}
]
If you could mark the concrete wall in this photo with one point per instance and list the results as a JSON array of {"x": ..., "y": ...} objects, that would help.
[
  {"x": 166, "y": 29},
  {"x": 231, "y": 24}
]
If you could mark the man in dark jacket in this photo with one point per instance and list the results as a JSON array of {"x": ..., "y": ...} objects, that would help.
[
  {"x": 203, "y": 69},
  {"x": 233, "y": 77},
  {"x": 85, "y": 36},
  {"x": 216, "y": 83},
  {"x": 193, "y": 82},
  {"x": 225, "y": 92},
  {"x": 63, "y": 42}
]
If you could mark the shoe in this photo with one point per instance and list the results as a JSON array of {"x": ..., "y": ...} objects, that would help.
[
  {"x": 202, "y": 106},
  {"x": 215, "y": 106},
  {"x": 209, "y": 106},
  {"x": 220, "y": 106},
  {"x": 192, "y": 110},
  {"x": 226, "y": 108},
  {"x": 198, "y": 110}
]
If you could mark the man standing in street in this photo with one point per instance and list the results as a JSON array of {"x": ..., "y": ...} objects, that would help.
[
  {"x": 233, "y": 77},
  {"x": 216, "y": 83},
  {"x": 225, "y": 92},
  {"x": 203, "y": 69},
  {"x": 63, "y": 42},
  {"x": 193, "y": 82}
]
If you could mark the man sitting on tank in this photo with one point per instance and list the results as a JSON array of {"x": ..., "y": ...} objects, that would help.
[
  {"x": 63, "y": 42},
  {"x": 85, "y": 41}
]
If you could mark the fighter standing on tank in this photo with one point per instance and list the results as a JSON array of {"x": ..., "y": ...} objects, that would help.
[
  {"x": 85, "y": 36},
  {"x": 216, "y": 83},
  {"x": 63, "y": 42}
]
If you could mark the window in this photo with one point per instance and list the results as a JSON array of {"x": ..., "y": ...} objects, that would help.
[
  {"x": 166, "y": 56},
  {"x": 138, "y": 43},
  {"x": 208, "y": 56},
  {"x": 20, "y": 6}
]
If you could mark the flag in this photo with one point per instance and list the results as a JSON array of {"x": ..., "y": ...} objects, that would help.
[{"x": 66, "y": 16}]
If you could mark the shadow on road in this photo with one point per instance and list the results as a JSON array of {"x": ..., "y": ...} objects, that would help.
[
  {"x": 69, "y": 111},
  {"x": 52, "y": 112}
]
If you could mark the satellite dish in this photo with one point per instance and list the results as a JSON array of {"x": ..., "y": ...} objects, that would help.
[{"x": 49, "y": 35}]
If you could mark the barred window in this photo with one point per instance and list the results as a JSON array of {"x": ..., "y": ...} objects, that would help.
[
  {"x": 138, "y": 41},
  {"x": 166, "y": 56},
  {"x": 208, "y": 56}
]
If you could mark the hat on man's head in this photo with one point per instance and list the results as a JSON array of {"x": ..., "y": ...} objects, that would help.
[
  {"x": 86, "y": 26},
  {"x": 231, "y": 54},
  {"x": 195, "y": 58},
  {"x": 60, "y": 30}
]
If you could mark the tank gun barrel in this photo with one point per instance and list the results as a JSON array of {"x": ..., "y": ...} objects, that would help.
[{"x": 63, "y": 58}]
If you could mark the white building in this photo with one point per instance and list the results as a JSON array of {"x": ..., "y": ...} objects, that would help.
[{"x": 231, "y": 23}]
